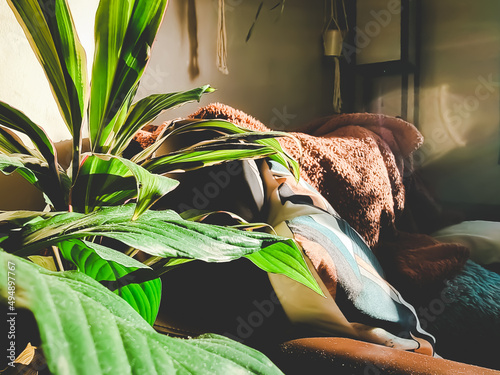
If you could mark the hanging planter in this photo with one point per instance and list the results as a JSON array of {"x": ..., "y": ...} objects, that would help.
[
  {"x": 332, "y": 42},
  {"x": 333, "y": 39},
  {"x": 222, "y": 39}
]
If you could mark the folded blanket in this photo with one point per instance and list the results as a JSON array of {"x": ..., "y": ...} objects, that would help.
[
  {"x": 401, "y": 136},
  {"x": 352, "y": 165}
]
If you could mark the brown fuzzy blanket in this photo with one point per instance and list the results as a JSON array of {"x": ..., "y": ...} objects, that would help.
[
  {"x": 349, "y": 159},
  {"x": 357, "y": 162}
]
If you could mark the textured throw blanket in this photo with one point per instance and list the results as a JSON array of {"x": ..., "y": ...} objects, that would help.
[{"x": 357, "y": 162}]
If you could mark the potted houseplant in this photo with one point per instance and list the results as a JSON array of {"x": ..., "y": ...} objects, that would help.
[{"x": 99, "y": 208}]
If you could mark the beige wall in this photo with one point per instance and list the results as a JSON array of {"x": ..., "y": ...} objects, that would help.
[
  {"x": 459, "y": 99},
  {"x": 279, "y": 76}
]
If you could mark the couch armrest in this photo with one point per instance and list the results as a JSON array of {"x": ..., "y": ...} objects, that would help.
[{"x": 335, "y": 355}]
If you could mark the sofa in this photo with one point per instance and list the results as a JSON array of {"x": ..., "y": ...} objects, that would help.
[{"x": 391, "y": 296}]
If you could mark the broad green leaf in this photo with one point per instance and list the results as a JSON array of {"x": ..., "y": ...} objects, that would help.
[
  {"x": 279, "y": 258},
  {"x": 147, "y": 109},
  {"x": 124, "y": 34},
  {"x": 87, "y": 330},
  {"x": 190, "y": 125},
  {"x": 109, "y": 180},
  {"x": 150, "y": 187},
  {"x": 158, "y": 233},
  {"x": 105, "y": 264},
  {"x": 113, "y": 255},
  {"x": 38, "y": 173},
  {"x": 51, "y": 33},
  {"x": 102, "y": 183}
]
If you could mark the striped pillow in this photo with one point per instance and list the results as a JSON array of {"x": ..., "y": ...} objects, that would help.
[{"x": 359, "y": 301}]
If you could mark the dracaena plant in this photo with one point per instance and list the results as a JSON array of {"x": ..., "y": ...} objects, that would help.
[{"x": 97, "y": 318}]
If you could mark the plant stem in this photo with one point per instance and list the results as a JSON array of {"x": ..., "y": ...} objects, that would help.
[
  {"x": 75, "y": 164},
  {"x": 58, "y": 258}
]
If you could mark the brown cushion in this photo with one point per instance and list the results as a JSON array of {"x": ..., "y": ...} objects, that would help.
[{"x": 323, "y": 355}]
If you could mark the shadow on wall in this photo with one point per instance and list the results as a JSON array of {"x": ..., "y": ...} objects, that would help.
[{"x": 281, "y": 69}]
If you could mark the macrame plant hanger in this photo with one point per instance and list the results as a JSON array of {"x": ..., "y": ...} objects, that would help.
[
  {"x": 333, "y": 38},
  {"x": 222, "y": 39}
]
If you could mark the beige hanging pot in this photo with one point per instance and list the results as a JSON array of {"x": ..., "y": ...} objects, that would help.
[
  {"x": 333, "y": 39},
  {"x": 332, "y": 42},
  {"x": 222, "y": 39}
]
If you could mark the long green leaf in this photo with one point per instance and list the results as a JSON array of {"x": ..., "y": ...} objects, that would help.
[
  {"x": 10, "y": 143},
  {"x": 147, "y": 109},
  {"x": 124, "y": 33},
  {"x": 105, "y": 264},
  {"x": 87, "y": 330},
  {"x": 109, "y": 180},
  {"x": 15, "y": 219},
  {"x": 16, "y": 120},
  {"x": 206, "y": 156},
  {"x": 213, "y": 129},
  {"x": 118, "y": 121},
  {"x": 51, "y": 33},
  {"x": 38, "y": 173},
  {"x": 158, "y": 233},
  {"x": 10, "y": 164},
  {"x": 223, "y": 130}
]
